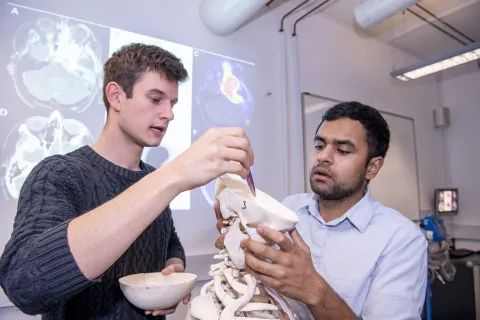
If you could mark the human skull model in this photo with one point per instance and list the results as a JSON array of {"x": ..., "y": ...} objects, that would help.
[{"x": 234, "y": 293}]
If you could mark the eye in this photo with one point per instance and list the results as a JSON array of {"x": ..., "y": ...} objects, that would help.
[
  {"x": 319, "y": 147},
  {"x": 154, "y": 100},
  {"x": 343, "y": 152}
]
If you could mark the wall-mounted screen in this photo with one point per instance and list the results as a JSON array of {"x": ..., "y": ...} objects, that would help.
[{"x": 446, "y": 200}]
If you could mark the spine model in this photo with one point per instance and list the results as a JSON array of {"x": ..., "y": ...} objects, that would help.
[{"x": 234, "y": 293}]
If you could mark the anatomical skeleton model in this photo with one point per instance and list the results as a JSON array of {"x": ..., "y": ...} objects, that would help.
[{"x": 234, "y": 293}]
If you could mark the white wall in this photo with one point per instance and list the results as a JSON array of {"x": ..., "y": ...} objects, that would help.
[
  {"x": 460, "y": 89},
  {"x": 337, "y": 63}
]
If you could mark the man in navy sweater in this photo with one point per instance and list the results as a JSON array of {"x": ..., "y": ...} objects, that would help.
[{"x": 89, "y": 217}]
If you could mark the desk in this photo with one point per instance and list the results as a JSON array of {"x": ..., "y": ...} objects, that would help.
[{"x": 460, "y": 298}]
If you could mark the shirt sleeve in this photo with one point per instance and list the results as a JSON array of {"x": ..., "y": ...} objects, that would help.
[
  {"x": 175, "y": 248},
  {"x": 398, "y": 287},
  {"x": 37, "y": 268}
]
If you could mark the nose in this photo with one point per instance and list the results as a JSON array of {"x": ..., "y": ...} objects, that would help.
[
  {"x": 325, "y": 155},
  {"x": 167, "y": 112}
]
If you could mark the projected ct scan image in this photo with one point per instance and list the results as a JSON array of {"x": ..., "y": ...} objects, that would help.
[
  {"x": 52, "y": 88},
  {"x": 55, "y": 63},
  {"x": 51, "y": 71},
  {"x": 34, "y": 139},
  {"x": 222, "y": 98}
]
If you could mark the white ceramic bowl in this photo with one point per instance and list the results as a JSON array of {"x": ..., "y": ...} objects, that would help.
[{"x": 155, "y": 291}]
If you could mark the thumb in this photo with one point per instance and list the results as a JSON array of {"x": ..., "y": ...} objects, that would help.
[
  {"x": 216, "y": 207},
  {"x": 169, "y": 270}
]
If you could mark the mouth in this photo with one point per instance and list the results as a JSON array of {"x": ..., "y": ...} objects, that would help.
[
  {"x": 322, "y": 174},
  {"x": 158, "y": 130}
]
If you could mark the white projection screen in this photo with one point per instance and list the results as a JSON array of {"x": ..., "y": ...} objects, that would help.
[{"x": 51, "y": 76}]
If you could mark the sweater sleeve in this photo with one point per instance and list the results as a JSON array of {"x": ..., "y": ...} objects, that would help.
[
  {"x": 175, "y": 248},
  {"x": 37, "y": 268}
]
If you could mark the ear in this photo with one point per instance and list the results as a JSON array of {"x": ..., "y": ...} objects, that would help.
[
  {"x": 374, "y": 167},
  {"x": 113, "y": 92}
]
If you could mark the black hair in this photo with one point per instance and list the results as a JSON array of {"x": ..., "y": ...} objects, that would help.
[{"x": 378, "y": 132}]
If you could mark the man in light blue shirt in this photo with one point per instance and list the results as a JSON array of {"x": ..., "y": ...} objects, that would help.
[{"x": 350, "y": 256}]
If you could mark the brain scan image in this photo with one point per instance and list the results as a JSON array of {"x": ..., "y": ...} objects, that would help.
[
  {"x": 33, "y": 140},
  {"x": 223, "y": 96},
  {"x": 56, "y": 64}
]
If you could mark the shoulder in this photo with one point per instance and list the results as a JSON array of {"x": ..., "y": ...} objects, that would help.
[
  {"x": 401, "y": 229},
  {"x": 55, "y": 166},
  {"x": 297, "y": 201},
  {"x": 53, "y": 171}
]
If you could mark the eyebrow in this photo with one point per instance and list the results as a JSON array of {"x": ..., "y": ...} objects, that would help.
[
  {"x": 338, "y": 142},
  {"x": 160, "y": 92}
]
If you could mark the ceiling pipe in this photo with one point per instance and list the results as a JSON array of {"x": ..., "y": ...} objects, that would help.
[
  {"x": 224, "y": 17},
  {"x": 370, "y": 12}
]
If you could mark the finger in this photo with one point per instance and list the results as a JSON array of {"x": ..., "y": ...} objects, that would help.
[
  {"x": 163, "y": 312},
  {"x": 220, "y": 242},
  {"x": 258, "y": 266},
  {"x": 297, "y": 239},
  {"x": 236, "y": 155},
  {"x": 218, "y": 214},
  {"x": 243, "y": 144},
  {"x": 222, "y": 223},
  {"x": 168, "y": 270},
  {"x": 186, "y": 299},
  {"x": 240, "y": 143},
  {"x": 276, "y": 237},
  {"x": 263, "y": 251},
  {"x": 267, "y": 280},
  {"x": 234, "y": 168}
]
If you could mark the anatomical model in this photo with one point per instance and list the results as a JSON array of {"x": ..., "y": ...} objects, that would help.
[{"x": 234, "y": 293}]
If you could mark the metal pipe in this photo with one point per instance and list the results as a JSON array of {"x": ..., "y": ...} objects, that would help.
[
  {"x": 445, "y": 23},
  {"x": 305, "y": 15},
  {"x": 436, "y": 27},
  {"x": 290, "y": 12}
]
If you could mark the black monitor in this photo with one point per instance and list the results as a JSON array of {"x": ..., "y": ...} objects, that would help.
[{"x": 446, "y": 200}]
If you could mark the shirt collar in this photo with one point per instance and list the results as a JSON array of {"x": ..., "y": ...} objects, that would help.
[{"x": 358, "y": 215}]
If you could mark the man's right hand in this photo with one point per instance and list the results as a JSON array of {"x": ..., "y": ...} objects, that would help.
[
  {"x": 215, "y": 153},
  {"x": 219, "y": 243}
]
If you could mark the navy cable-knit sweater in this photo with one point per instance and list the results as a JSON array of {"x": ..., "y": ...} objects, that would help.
[{"x": 37, "y": 270}]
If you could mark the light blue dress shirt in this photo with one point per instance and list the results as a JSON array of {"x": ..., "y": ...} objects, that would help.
[{"x": 373, "y": 257}]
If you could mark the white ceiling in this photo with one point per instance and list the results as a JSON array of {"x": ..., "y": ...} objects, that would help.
[{"x": 408, "y": 32}]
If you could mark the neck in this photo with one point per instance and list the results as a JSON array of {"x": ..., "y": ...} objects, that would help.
[
  {"x": 117, "y": 147},
  {"x": 334, "y": 209}
]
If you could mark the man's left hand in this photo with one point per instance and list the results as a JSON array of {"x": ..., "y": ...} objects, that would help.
[
  {"x": 291, "y": 272},
  {"x": 167, "y": 271}
]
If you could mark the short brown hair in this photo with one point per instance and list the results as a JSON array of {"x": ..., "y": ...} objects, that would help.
[{"x": 127, "y": 65}]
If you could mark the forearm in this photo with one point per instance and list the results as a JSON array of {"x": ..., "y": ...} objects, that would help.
[
  {"x": 325, "y": 304},
  {"x": 98, "y": 238}
]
